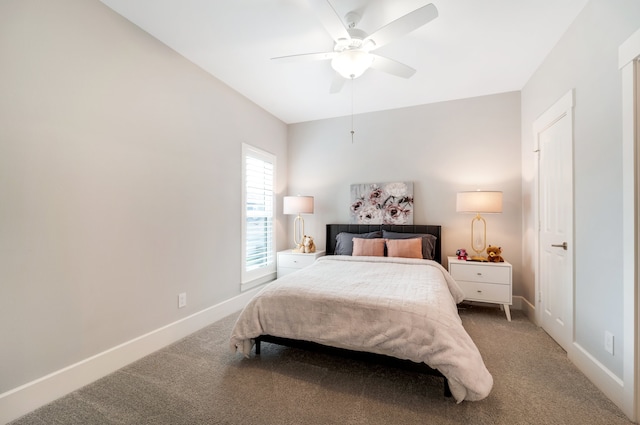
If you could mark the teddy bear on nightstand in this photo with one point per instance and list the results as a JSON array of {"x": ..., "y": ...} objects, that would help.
[
  {"x": 308, "y": 245},
  {"x": 493, "y": 254}
]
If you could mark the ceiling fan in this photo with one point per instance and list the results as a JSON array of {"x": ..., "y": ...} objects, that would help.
[{"x": 351, "y": 55}]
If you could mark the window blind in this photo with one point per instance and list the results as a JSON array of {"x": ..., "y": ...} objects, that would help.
[{"x": 259, "y": 203}]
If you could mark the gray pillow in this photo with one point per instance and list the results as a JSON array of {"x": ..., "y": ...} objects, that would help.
[
  {"x": 344, "y": 241},
  {"x": 428, "y": 241}
]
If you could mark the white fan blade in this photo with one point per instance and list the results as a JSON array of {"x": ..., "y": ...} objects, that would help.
[
  {"x": 330, "y": 19},
  {"x": 337, "y": 83},
  {"x": 305, "y": 57},
  {"x": 392, "y": 67},
  {"x": 402, "y": 26}
]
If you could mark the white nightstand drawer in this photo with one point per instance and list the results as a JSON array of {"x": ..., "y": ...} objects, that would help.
[
  {"x": 289, "y": 261},
  {"x": 283, "y": 271},
  {"x": 489, "y": 292},
  {"x": 296, "y": 261},
  {"x": 481, "y": 273}
]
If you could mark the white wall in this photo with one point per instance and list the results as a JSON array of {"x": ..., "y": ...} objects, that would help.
[
  {"x": 442, "y": 148},
  {"x": 120, "y": 184},
  {"x": 586, "y": 59}
]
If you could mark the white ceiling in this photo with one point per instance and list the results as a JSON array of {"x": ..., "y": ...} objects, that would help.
[{"x": 473, "y": 48}]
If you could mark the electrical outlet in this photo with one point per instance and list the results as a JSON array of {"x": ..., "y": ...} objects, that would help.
[
  {"x": 608, "y": 342},
  {"x": 182, "y": 299}
]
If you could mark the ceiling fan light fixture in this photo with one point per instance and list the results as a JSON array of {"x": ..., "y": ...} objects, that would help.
[{"x": 352, "y": 63}]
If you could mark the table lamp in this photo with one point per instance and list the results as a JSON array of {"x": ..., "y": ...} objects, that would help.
[
  {"x": 298, "y": 205},
  {"x": 477, "y": 202}
]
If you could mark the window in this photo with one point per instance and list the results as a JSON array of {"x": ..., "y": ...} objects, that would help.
[{"x": 258, "y": 217}]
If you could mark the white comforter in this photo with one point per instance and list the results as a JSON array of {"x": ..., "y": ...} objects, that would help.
[{"x": 405, "y": 308}]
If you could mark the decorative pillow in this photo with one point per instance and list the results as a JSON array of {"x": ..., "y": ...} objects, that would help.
[
  {"x": 370, "y": 247},
  {"x": 344, "y": 241},
  {"x": 407, "y": 248},
  {"x": 428, "y": 241}
]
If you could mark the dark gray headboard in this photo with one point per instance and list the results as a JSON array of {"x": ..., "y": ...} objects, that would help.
[{"x": 334, "y": 229}]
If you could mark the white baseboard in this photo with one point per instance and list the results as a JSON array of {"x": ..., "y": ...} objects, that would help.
[
  {"x": 521, "y": 303},
  {"x": 516, "y": 303},
  {"x": 606, "y": 381},
  {"x": 28, "y": 397}
]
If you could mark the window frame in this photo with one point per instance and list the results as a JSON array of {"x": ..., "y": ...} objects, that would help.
[{"x": 257, "y": 276}]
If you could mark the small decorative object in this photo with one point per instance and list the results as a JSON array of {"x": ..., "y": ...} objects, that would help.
[
  {"x": 382, "y": 203},
  {"x": 308, "y": 245},
  {"x": 462, "y": 254},
  {"x": 493, "y": 254}
]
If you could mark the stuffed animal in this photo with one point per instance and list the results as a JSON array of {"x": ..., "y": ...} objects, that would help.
[
  {"x": 462, "y": 254},
  {"x": 309, "y": 246},
  {"x": 493, "y": 254}
]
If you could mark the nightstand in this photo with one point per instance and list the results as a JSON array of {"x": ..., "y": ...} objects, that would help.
[
  {"x": 485, "y": 282},
  {"x": 289, "y": 262}
]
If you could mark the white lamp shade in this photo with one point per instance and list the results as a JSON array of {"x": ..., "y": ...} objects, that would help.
[
  {"x": 352, "y": 63},
  {"x": 298, "y": 205},
  {"x": 479, "y": 202}
]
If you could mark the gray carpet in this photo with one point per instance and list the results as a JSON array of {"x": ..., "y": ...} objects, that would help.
[{"x": 199, "y": 381}]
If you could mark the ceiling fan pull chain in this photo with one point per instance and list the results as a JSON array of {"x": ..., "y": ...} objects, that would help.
[{"x": 352, "y": 130}]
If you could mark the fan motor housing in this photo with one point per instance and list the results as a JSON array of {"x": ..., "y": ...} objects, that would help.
[{"x": 355, "y": 42}]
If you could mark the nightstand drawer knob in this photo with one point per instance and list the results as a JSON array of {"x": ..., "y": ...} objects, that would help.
[{"x": 479, "y": 274}]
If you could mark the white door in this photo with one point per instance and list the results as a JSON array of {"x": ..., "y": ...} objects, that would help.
[{"x": 555, "y": 239}]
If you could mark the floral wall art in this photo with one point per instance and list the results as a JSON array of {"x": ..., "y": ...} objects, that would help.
[{"x": 382, "y": 203}]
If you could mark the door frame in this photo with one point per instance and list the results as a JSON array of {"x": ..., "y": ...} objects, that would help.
[
  {"x": 628, "y": 57},
  {"x": 562, "y": 108}
]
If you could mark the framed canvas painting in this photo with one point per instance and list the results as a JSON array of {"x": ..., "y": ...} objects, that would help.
[{"x": 382, "y": 203}]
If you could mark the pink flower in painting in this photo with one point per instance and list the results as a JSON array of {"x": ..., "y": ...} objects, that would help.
[
  {"x": 357, "y": 206},
  {"x": 376, "y": 196},
  {"x": 394, "y": 214},
  {"x": 370, "y": 215}
]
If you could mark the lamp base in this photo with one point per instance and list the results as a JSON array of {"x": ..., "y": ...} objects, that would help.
[{"x": 478, "y": 258}]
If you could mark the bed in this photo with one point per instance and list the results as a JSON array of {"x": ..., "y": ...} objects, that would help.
[{"x": 395, "y": 308}]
